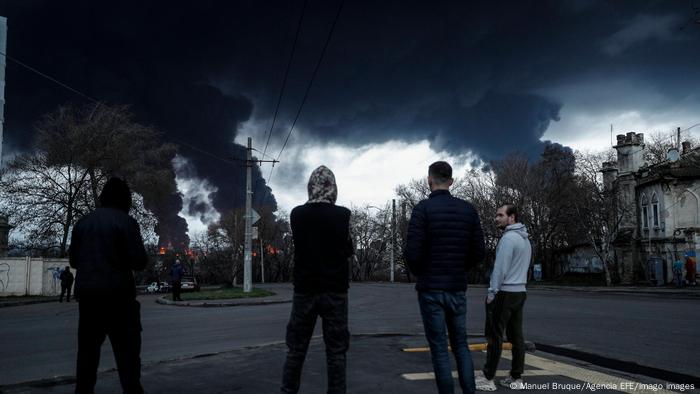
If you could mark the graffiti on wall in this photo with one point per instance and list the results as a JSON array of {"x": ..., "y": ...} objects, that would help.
[
  {"x": 56, "y": 277},
  {"x": 4, "y": 276}
]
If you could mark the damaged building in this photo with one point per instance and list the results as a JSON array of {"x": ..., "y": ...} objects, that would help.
[{"x": 659, "y": 208}]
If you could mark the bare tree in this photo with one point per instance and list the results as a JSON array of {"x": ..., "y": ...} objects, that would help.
[
  {"x": 370, "y": 234},
  {"x": 76, "y": 151},
  {"x": 106, "y": 141},
  {"x": 599, "y": 211},
  {"x": 44, "y": 201},
  {"x": 658, "y": 144}
]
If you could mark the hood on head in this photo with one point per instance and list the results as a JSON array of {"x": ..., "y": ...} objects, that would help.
[
  {"x": 116, "y": 194},
  {"x": 518, "y": 228},
  {"x": 322, "y": 186}
]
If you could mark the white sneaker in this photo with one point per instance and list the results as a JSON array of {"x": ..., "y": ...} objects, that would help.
[
  {"x": 484, "y": 384},
  {"x": 513, "y": 384}
]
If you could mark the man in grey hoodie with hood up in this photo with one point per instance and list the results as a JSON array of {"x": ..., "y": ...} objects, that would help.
[
  {"x": 322, "y": 247},
  {"x": 505, "y": 300}
]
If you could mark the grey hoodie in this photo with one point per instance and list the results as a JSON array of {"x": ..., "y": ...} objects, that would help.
[
  {"x": 512, "y": 260},
  {"x": 322, "y": 186}
]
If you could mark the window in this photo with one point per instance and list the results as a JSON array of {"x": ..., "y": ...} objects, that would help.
[
  {"x": 645, "y": 212},
  {"x": 655, "y": 210}
]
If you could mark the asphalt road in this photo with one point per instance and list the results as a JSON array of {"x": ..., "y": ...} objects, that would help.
[{"x": 39, "y": 341}]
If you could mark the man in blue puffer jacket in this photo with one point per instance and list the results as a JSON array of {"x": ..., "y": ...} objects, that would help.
[{"x": 444, "y": 241}]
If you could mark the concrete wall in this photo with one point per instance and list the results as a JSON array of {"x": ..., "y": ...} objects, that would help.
[{"x": 30, "y": 276}]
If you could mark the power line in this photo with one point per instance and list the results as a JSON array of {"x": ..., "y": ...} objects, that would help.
[
  {"x": 50, "y": 78},
  {"x": 76, "y": 91},
  {"x": 263, "y": 153},
  {"x": 313, "y": 76},
  {"x": 279, "y": 101},
  {"x": 286, "y": 75},
  {"x": 308, "y": 89},
  {"x": 234, "y": 161}
]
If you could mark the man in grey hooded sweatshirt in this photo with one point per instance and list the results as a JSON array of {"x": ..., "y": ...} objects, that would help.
[
  {"x": 322, "y": 246},
  {"x": 505, "y": 300}
]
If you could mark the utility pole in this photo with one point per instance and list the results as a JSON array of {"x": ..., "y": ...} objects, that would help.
[
  {"x": 248, "y": 253},
  {"x": 3, "y": 48},
  {"x": 4, "y": 221},
  {"x": 393, "y": 240},
  {"x": 262, "y": 260}
]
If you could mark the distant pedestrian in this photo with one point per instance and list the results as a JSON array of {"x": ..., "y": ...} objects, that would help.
[
  {"x": 690, "y": 270},
  {"x": 444, "y": 241},
  {"x": 176, "y": 278},
  {"x": 106, "y": 248},
  {"x": 506, "y": 299},
  {"x": 678, "y": 273},
  {"x": 66, "y": 284},
  {"x": 322, "y": 247}
]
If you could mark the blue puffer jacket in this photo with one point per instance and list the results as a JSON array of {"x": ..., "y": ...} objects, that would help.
[{"x": 444, "y": 241}]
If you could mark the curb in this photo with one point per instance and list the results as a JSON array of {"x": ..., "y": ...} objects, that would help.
[
  {"x": 28, "y": 302},
  {"x": 620, "y": 365},
  {"x": 219, "y": 304}
]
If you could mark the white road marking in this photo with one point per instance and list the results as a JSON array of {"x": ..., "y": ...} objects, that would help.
[
  {"x": 590, "y": 376},
  {"x": 549, "y": 367}
]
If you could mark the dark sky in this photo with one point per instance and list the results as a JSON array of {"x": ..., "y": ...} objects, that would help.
[{"x": 482, "y": 77}]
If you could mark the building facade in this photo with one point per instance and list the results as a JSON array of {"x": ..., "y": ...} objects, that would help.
[{"x": 659, "y": 206}]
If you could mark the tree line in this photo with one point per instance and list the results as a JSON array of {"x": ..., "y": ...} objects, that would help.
[{"x": 561, "y": 196}]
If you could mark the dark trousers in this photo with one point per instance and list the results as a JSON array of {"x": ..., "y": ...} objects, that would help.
[
  {"x": 678, "y": 278},
  {"x": 64, "y": 290},
  {"x": 176, "y": 291},
  {"x": 121, "y": 321},
  {"x": 333, "y": 309},
  {"x": 505, "y": 315},
  {"x": 440, "y": 309}
]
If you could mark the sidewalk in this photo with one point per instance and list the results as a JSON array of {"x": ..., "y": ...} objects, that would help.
[
  {"x": 660, "y": 290},
  {"x": 18, "y": 301},
  {"x": 376, "y": 364}
]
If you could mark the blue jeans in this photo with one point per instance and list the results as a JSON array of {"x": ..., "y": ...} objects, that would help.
[{"x": 441, "y": 309}]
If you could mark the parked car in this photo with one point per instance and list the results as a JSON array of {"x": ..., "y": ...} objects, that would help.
[
  {"x": 189, "y": 283},
  {"x": 155, "y": 288}
]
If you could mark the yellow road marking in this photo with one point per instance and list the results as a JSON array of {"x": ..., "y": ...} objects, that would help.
[
  {"x": 476, "y": 347},
  {"x": 431, "y": 375}
]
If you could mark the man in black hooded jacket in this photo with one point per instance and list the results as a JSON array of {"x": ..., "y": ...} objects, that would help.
[{"x": 106, "y": 247}]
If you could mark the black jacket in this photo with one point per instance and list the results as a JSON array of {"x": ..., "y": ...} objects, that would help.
[
  {"x": 322, "y": 246},
  {"x": 444, "y": 241},
  {"x": 106, "y": 246},
  {"x": 66, "y": 278}
]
